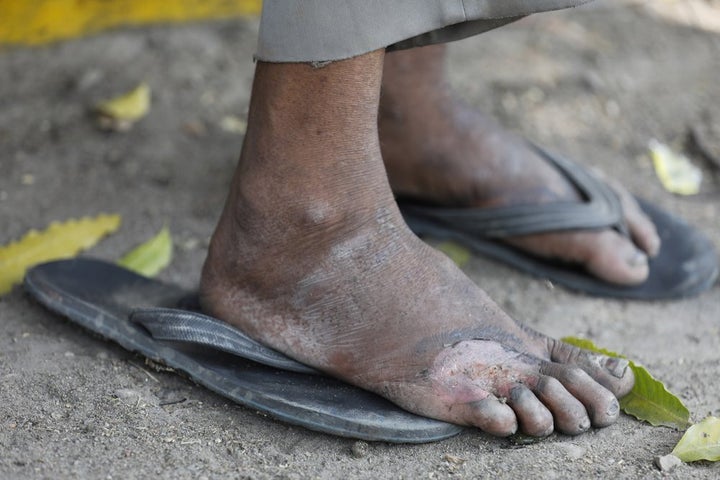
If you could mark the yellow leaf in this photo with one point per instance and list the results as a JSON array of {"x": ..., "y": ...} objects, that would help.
[
  {"x": 150, "y": 257},
  {"x": 233, "y": 124},
  {"x": 129, "y": 107},
  {"x": 59, "y": 240},
  {"x": 674, "y": 170},
  {"x": 700, "y": 442}
]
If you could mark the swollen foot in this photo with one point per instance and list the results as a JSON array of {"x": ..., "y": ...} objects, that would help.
[
  {"x": 359, "y": 297},
  {"x": 311, "y": 257}
]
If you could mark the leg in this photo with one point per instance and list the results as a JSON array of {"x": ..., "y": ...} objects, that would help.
[
  {"x": 438, "y": 149},
  {"x": 312, "y": 258}
]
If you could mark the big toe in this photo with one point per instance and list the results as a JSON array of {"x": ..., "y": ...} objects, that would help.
[
  {"x": 612, "y": 373},
  {"x": 605, "y": 254},
  {"x": 614, "y": 258}
]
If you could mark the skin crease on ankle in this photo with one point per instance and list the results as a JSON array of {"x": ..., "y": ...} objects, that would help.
[
  {"x": 311, "y": 257},
  {"x": 439, "y": 149}
]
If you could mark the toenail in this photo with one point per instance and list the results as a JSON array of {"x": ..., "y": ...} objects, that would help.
[
  {"x": 584, "y": 424},
  {"x": 654, "y": 247},
  {"x": 616, "y": 366},
  {"x": 637, "y": 259},
  {"x": 613, "y": 409}
]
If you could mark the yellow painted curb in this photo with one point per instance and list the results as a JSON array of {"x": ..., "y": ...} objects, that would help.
[{"x": 34, "y": 22}]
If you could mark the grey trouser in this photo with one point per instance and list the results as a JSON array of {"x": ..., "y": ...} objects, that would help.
[{"x": 325, "y": 30}]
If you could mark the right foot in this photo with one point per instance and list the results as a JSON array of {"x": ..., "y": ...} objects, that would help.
[{"x": 311, "y": 257}]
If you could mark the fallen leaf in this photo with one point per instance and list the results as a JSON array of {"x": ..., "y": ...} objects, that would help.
[
  {"x": 675, "y": 171},
  {"x": 150, "y": 257},
  {"x": 458, "y": 254},
  {"x": 649, "y": 400},
  {"x": 454, "y": 459},
  {"x": 233, "y": 124},
  {"x": 59, "y": 240},
  {"x": 121, "y": 112},
  {"x": 700, "y": 442}
]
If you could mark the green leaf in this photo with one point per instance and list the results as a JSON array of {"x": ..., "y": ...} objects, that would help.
[
  {"x": 150, "y": 257},
  {"x": 649, "y": 400},
  {"x": 458, "y": 254},
  {"x": 59, "y": 240},
  {"x": 700, "y": 442}
]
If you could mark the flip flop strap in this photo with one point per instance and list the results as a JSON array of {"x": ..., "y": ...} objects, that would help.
[
  {"x": 601, "y": 209},
  {"x": 169, "y": 324}
]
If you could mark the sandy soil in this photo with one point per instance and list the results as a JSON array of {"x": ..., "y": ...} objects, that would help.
[{"x": 596, "y": 84}]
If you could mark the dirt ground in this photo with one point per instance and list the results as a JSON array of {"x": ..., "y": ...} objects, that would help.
[{"x": 595, "y": 83}]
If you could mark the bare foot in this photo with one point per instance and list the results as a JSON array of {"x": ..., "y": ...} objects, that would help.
[
  {"x": 312, "y": 258},
  {"x": 438, "y": 149}
]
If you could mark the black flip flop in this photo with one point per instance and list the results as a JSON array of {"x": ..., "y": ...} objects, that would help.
[
  {"x": 686, "y": 265},
  {"x": 140, "y": 314}
]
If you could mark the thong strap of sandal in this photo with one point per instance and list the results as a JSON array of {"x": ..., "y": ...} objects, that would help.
[
  {"x": 601, "y": 209},
  {"x": 169, "y": 324}
]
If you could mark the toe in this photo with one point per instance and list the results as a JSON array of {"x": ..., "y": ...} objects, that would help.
[
  {"x": 532, "y": 416},
  {"x": 611, "y": 372},
  {"x": 642, "y": 229},
  {"x": 601, "y": 405},
  {"x": 569, "y": 413},
  {"x": 613, "y": 257},
  {"x": 492, "y": 416}
]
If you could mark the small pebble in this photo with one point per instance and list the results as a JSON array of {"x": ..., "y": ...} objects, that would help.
[
  {"x": 359, "y": 449},
  {"x": 667, "y": 463}
]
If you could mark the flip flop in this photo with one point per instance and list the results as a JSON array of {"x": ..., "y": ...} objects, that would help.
[
  {"x": 141, "y": 315},
  {"x": 685, "y": 266}
]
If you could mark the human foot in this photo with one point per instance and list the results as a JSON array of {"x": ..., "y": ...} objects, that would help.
[
  {"x": 312, "y": 258},
  {"x": 439, "y": 150}
]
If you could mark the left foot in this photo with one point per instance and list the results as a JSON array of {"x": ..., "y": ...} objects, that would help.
[
  {"x": 442, "y": 151},
  {"x": 311, "y": 257}
]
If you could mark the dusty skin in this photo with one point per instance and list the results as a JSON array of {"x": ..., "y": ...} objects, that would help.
[
  {"x": 312, "y": 257},
  {"x": 592, "y": 84}
]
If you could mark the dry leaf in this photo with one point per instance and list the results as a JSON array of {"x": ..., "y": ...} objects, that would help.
[
  {"x": 233, "y": 124},
  {"x": 121, "y": 112},
  {"x": 674, "y": 170},
  {"x": 59, "y": 240}
]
